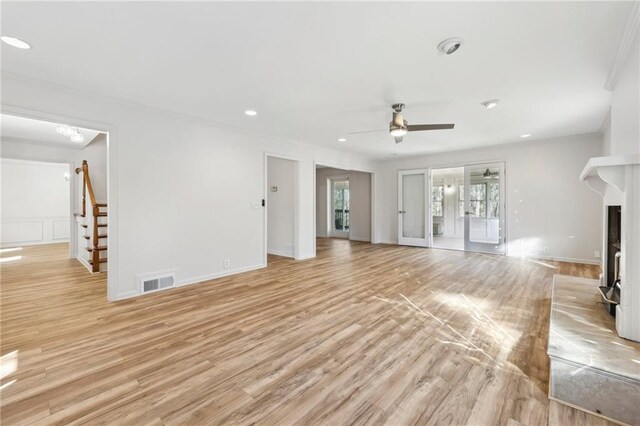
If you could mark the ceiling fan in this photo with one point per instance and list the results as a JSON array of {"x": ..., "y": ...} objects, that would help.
[
  {"x": 399, "y": 126},
  {"x": 488, "y": 174}
]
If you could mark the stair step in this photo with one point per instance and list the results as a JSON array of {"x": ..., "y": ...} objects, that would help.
[
  {"x": 103, "y": 260},
  {"x": 88, "y": 237},
  {"x": 100, "y": 225},
  {"x": 102, "y": 214},
  {"x": 101, "y": 204},
  {"x": 78, "y": 215},
  {"x": 84, "y": 225},
  {"x": 100, "y": 248}
]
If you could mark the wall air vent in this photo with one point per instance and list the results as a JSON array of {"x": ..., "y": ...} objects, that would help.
[{"x": 158, "y": 281}]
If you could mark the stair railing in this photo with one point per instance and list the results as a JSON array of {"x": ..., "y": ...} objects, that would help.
[{"x": 86, "y": 187}]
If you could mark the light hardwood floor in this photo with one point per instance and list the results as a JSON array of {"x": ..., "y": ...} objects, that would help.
[{"x": 361, "y": 334}]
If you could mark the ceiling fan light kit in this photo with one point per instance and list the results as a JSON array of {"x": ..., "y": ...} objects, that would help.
[{"x": 399, "y": 126}]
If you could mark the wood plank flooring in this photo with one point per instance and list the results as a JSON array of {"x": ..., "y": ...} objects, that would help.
[{"x": 362, "y": 334}]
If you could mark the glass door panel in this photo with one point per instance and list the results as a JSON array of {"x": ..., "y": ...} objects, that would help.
[
  {"x": 412, "y": 208},
  {"x": 484, "y": 208},
  {"x": 340, "y": 208}
]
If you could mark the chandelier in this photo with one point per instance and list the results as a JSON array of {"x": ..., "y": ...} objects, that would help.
[{"x": 70, "y": 132}]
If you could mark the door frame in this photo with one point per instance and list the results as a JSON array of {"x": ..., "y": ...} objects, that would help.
[
  {"x": 416, "y": 242},
  {"x": 504, "y": 189},
  {"x": 296, "y": 200},
  {"x": 112, "y": 187},
  {"x": 474, "y": 246},
  {"x": 372, "y": 173},
  {"x": 331, "y": 232}
]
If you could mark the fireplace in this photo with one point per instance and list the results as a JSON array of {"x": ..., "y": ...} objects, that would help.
[
  {"x": 617, "y": 180},
  {"x": 611, "y": 290}
]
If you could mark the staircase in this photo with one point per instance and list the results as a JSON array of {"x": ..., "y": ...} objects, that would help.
[{"x": 93, "y": 222}]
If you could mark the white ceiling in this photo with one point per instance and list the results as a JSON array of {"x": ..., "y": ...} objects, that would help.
[
  {"x": 317, "y": 71},
  {"x": 19, "y": 129}
]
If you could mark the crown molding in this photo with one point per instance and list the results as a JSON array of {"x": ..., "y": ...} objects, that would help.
[
  {"x": 197, "y": 119},
  {"x": 630, "y": 30}
]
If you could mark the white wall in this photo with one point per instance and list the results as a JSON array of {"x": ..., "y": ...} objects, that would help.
[
  {"x": 359, "y": 202},
  {"x": 548, "y": 207},
  {"x": 182, "y": 190},
  {"x": 35, "y": 202},
  {"x": 622, "y": 132},
  {"x": 35, "y": 151},
  {"x": 281, "y": 175}
]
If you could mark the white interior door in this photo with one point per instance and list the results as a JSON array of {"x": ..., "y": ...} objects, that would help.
[
  {"x": 484, "y": 206},
  {"x": 413, "y": 208}
]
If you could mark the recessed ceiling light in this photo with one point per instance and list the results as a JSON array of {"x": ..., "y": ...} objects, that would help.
[
  {"x": 450, "y": 45},
  {"x": 15, "y": 42},
  {"x": 250, "y": 113},
  {"x": 526, "y": 135},
  {"x": 342, "y": 140},
  {"x": 490, "y": 103}
]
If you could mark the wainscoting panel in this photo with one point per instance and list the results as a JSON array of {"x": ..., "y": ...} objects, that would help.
[
  {"x": 61, "y": 229},
  {"x": 34, "y": 230}
]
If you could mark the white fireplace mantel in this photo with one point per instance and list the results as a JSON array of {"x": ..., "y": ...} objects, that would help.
[
  {"x": 602, "y": 171},
  {"x": 617, "y": 180}
]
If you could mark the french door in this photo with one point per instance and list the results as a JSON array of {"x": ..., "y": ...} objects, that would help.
[
  {"x": 413, "y": 207},
  {"x": 339, "y": 210},
  {"x": 484, "y": 208}
]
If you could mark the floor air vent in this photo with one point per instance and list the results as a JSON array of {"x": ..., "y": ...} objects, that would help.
[{"x": 156, "y": 283}]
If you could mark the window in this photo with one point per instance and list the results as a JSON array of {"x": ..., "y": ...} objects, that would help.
[
  {"x": 438, "y": 200},
  {"x": 460, "y": 200},
  {"x": 494, "y": 200},
  {"x": 477, "y": 199}
]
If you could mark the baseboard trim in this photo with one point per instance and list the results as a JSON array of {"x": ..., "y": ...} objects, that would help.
[
  {"x": 360, "y": 241},
  {"x": 393, "y": 242},
  {"x": 221, "y": 274},
  {"x": 191, "y": 281},
  {"x": 563, "y": 259},
  {"x": 126, "y": 295},
  {"x": 34, "y": 243},
  {"x": 283, "y": 253},
  {"x": 306, "y": 256},
  {"x": 85, "y": 263}
]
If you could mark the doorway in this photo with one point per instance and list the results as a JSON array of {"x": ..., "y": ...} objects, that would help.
[
  {"x": 447, "y": 208},
  {"x": 458, "y": 208},
  {"x": 37, "y": 147},
  {"x": 484, "y": 210},
  {"x": 344, "y": 204},
  {"x": 339, "y": 207},
  {"x": 281, "y": 206}
]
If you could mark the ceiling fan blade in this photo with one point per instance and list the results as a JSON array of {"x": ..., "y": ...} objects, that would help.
[
  {"x": 420, "y": 127},
  {"x": 398, "y": 139},
  {"x": 367, "y": 131}
]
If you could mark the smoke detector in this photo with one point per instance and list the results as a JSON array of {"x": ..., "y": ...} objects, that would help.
[{"x": 450, "y": 45}]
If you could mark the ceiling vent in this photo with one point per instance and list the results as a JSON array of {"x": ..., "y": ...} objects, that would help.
[{"x": 158, "y": 281}]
